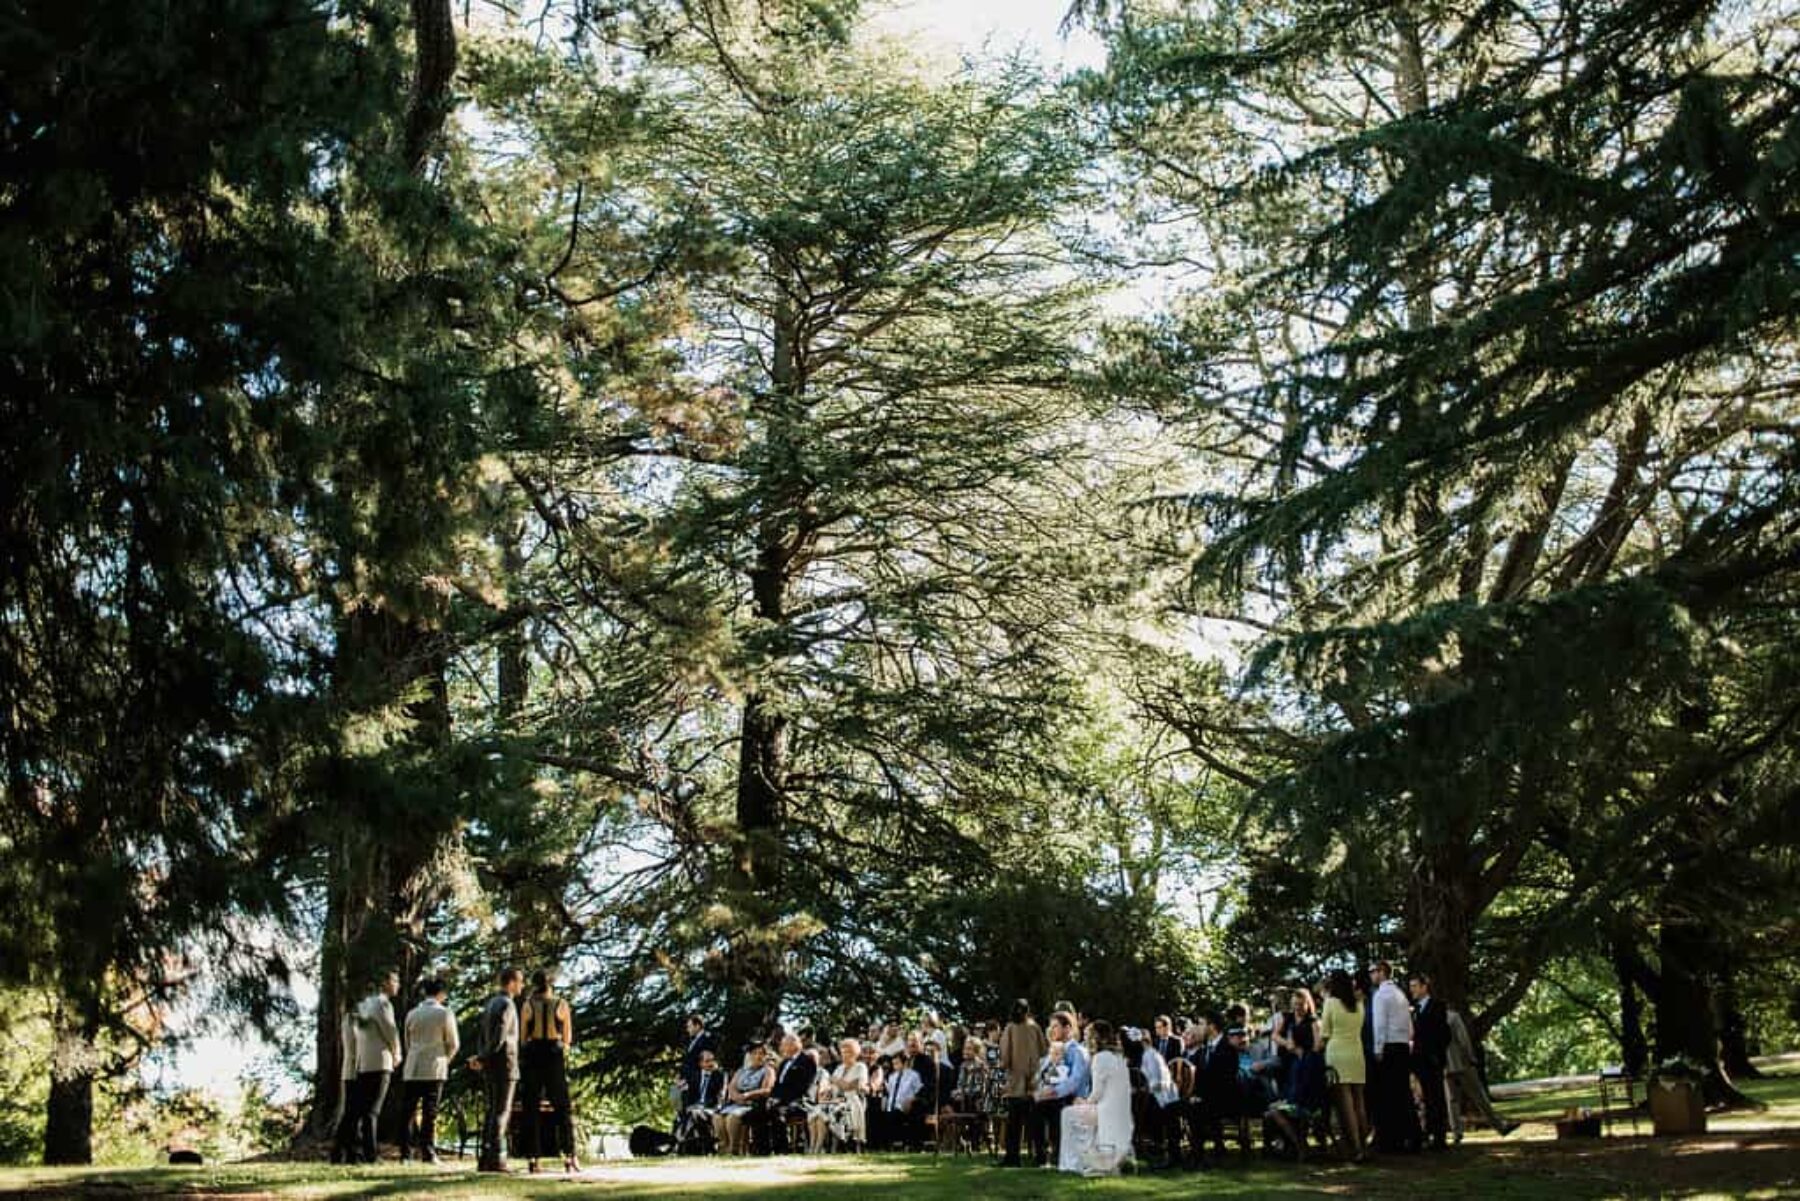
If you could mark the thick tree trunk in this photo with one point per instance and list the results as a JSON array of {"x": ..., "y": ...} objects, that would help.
[
  {"x": 757, "y": 961},
  {"x": 434, "y": 44},
  {"x": 328, "y": 1042},
  {"x": 1734, "y": 1038},
  {"x": 1634, "y": 1047},
  {"x": 1686, "y": 1023},
  {"x": 74, "y": 1066},
  {"x": 384, "y": 882},
  {"x": 1440, "y": 919}
]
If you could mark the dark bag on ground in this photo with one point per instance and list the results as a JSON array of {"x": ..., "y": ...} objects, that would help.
[{"x": 647, "y": 1142}]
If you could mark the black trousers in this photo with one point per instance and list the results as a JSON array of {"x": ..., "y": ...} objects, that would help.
[
  {"x": 1166, "y": 1123},
  {"x": 1437, "y": 1110},
  {"x": 544, "y": 1075},
  {"x": 1206, "y": 1119},
  {"x": 1396, "y": 1121},
  {"x": 421, "y": 1097},
  {"x": 498, "y": 1081},
  {"x": 355, "y": 1141},
  {"x": 891, "y": 1129},
  {"x": 1018, "y": 1117},
  {"x": 1046, "y": 1129}
]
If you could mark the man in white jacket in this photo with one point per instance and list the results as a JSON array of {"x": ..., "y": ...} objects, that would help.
[
  {"x": 431, "y": 1043},
  {"x": 375, "y": 1043}
]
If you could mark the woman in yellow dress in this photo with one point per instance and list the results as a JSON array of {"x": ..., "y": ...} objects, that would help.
[{"x": 1340, "y": 1030}]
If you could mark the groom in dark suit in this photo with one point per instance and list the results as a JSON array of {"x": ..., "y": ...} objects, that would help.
[{"x": 1431, "y": 1046}]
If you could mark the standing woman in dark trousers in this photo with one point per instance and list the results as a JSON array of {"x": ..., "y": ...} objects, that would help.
[{"x": 546, "y": 1031}]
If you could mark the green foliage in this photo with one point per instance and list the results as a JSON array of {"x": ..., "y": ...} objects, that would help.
[{"x": 1118, "y": 957}]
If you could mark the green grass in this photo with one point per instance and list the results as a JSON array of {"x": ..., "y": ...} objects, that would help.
[{"x": 1750, "y": 1155}]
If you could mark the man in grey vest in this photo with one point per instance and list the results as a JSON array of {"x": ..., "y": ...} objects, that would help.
[{"x": 497, "y": 1058}]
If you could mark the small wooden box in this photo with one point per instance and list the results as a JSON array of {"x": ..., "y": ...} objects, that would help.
[{"x": 1676, "y": 1107}]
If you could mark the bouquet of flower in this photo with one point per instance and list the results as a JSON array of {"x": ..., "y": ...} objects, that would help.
[{"x": 1679, "y": 1067}]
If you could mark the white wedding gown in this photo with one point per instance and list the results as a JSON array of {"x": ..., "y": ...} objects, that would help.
[{"x": 1096, "y": 1135}]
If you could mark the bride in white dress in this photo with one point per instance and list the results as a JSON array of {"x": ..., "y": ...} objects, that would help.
[{"x": 1096, "y": 1132}]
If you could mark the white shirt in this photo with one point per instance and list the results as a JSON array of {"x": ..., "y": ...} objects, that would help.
[
  {"x": 1157, "y": 1079},
  {"x": 1393, "y": 1016},
  {"x": 902, "y": 1087}
]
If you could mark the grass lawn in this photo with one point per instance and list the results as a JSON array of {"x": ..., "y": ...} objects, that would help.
[{"x": 1749, "y": 1155}]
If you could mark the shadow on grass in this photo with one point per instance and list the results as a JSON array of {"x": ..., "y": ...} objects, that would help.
[{"x": 1748, "y": 1165}]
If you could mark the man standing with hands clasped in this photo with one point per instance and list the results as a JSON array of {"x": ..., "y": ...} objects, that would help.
[
  {"x": 497, "y": 1059},
  {"x": 1396, "y": 1121},
  {"x": 1431, "y": 1044},
  {"x": 431, "y": 1043}
]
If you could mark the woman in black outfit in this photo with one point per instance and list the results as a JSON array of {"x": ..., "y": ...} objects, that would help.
[{"x": 546, "y": 1031}]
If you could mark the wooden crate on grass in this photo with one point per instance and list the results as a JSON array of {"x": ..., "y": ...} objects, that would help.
[{"x": 1676, "y": 1107}]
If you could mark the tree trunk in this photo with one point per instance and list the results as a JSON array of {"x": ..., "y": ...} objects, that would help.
[
  {"x": 513, "y": 682},
  {"x": 1685, "y": 1016},
  {"x": 74, "y": 1064},
  {"x": 1634, "y": 1047},
  {"x": 434, "y": 46},
  {"x": 328, "y": 1042},
  {"x": 757, "y": 959},
  {"x": 1440, "y": 918},
  {"x": 384, "y": 881},
  {"x": 1734, "y": 1039}
]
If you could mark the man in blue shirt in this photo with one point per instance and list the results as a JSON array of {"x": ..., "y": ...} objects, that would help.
[{"x": 1053, "y": 1100}]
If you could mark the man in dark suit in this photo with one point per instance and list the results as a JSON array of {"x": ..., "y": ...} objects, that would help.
[
  {"x": 1431, "y": 1047},
  {"x": 1223, "y": 1094},
  {"x": 1164, "y": 1039},
  {"x": 709, "y": 1083},
  {"x": 699, "y": 1042},
  {"x": 707, "y": 1093},
  {"x": 793, "y": 1084}
]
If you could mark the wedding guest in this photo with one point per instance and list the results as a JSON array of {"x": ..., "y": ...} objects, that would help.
[
  {"x": 842, "y": 1102},
  {"x": 1431, "y": 1048},
  {"x": 1022, "y": 1047},
  {"x": 377, "y": 1053},
  {"x": 1396, "y": 1120},
  {"x": 1096, "y": 1133},
  {"x": 1462, "y": 1080},
  {"x": 1164, "y": 1095},
  {"x": 793, "y": 1084},
  {"x": 901, "y": 1121},
  {"x": 343, "y": 1143},
  {"x": 1166, "y": 1042},
  {"x": 431, "y": 1043},
  {"x": 546, "y": 1031},
  {"x": 699, "y": 1041},
  {"x": 1072, "y": 1085},
  {"x": 706, "y": 1096},
  {"x": 1340, "y": 1034},
  {"x": 1305, "y": 1083},
  {"x": 968, "y": 1096},
  {"x": 752, "y": 1083},
  {"x": 497, "y": 1060}
]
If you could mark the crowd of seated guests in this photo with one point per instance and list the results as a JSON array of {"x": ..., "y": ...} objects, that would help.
[{"x": 1082, "y": 1095}]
